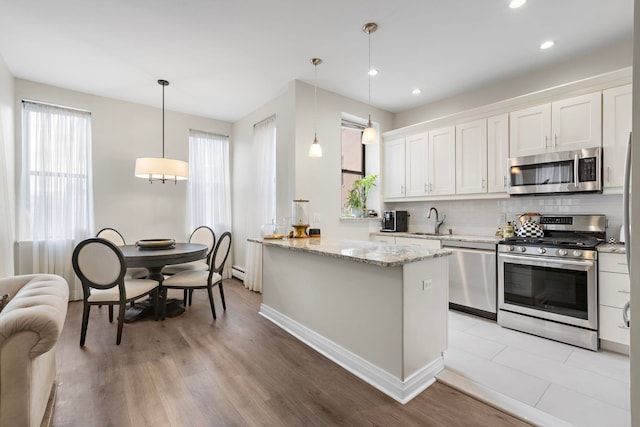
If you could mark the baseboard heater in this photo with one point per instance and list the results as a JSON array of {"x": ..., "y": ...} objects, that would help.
[{"x": 237, "y": 272}]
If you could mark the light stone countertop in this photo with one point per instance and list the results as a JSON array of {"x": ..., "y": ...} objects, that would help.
[
  {"x": 375, "y": 253},
  {"x": 618, "y": 248},
  {"x": 456, "y": 237}
]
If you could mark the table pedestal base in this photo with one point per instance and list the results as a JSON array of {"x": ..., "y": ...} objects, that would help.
[{"x": 144, "y": 309}]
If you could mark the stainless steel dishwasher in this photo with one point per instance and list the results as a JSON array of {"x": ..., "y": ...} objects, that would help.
[{"x": 472, "y": 277}]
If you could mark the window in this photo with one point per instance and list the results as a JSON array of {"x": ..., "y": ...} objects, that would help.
[
  {"x": 353, "y": 156},
  {"x": 56, "y": 194},
  {"x": 56, "y": 173},
  {"x": 209, "y": 188}
]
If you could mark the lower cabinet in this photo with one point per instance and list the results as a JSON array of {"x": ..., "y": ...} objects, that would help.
[{"x": 614, "y": 291}]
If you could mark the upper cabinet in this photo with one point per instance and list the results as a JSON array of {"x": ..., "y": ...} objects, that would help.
[
  {"x": 420, "y": 165},
  {"x": 568, "y": 124},
  {"x": 497, "y": 153},
  {"x": 616, "y": 126},
  {"x": 471, "y": 157}
]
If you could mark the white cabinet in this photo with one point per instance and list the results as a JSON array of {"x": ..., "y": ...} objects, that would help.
[
  {"x": 497, "y": 153},
  {"x": 471, "y": 157},
  {"x": 442, "y": 161},
  {"x": 568, "y": 124},
  {"x": 416, "y": 161},
  {"x": 614, "y": 290},
  {"x": 420, "y": 165},
  {"x": 394, "y": 169},
  {"x": 616, "y": 125}
]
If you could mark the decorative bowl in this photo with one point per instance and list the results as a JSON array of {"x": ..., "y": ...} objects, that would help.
[{"x": 155, "y": 243}]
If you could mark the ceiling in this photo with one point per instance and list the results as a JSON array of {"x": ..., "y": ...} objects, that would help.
[{"x": 225, "y": 58}]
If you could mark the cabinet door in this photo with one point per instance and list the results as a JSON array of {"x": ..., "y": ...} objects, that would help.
[
  {"x": 611, "y": 326},
  {"x": 394, "y": 169},
  {"x": 423, "y": 243},
  {"x": 529, "y": 130},
  {"x": 576, "y": 122},
  {"x": 442, "y": 161},
  {"x": 417, "y": 154},
  {"x": 616, "y": 125},
  {"x": 497, "y": 153},
  {"x": 471, "y": 157}
]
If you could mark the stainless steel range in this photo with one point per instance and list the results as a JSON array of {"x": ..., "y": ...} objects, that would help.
[{"x": 548, "y": 286}]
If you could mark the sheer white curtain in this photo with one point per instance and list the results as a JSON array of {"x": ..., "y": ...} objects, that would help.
[
  {"x": 56, "y": 192},
  {"x": 262, "y": 205},
  {"x": 7, "y": 208},
  {"x": 209, "y": 185}
]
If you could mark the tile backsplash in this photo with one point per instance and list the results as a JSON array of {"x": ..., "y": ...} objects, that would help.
[{"x": 483, "y": 217}]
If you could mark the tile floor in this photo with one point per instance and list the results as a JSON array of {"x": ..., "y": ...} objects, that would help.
[{"x": 573, "y": 385}]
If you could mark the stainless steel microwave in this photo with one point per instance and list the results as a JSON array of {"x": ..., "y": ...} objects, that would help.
[{"x": 576, "y": 171}]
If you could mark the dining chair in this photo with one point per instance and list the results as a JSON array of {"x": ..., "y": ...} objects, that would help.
[
  {"x": 190, "y": 280},
  {"x": 100, "y": 266},
  {"x": 203, "y": 235},
  {"x": 114, "y": 236}
]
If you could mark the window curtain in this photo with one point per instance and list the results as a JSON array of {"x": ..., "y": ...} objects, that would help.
[
  {"x": 56, "y": 192},
  {"x": 7, "y": 208},
  {"x": 262, "y": 205},
  {"x": 209, "y": 185}
]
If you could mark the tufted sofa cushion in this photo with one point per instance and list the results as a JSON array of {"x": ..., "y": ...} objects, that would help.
[{"x": 30, "y": 325}]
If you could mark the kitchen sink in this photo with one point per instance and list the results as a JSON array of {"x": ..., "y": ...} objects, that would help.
[{"x": 423, "y": 233}]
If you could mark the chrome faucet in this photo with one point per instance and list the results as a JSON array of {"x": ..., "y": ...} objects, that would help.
[{"x": 438, "y": 222}]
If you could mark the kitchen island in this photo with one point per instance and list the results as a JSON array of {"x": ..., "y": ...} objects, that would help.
[{"x": 378, "y": 310}]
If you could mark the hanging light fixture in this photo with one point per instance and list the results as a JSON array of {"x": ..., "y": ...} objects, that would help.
[
  {"x": 160, "y": 168},
  {"x": 315, "y": 150},
  {"x": 369, "y": 136}
]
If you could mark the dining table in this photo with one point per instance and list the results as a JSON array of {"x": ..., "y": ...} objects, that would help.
[{"x": 154, "y": 260}]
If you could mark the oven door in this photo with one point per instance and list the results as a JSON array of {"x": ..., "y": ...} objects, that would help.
[{"x": 554, "y": 289}]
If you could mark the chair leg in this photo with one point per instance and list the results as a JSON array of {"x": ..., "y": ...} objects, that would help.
[
  {"x": 123, "y": 306},
  {"x": 185, "y": 297},
  {"x": 163, "y": 303},
  {"x": 190, "y": 296},
  {"x": 85, "y": 323},
  {"x": 156, "y": 304},
  {"x": 110, "y": 314},
  {"x": 224, "y": 305},
  {"x": 213, "y": 309}
]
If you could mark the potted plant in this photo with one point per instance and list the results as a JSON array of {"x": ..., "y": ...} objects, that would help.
[{"x": 357, "y": 197}]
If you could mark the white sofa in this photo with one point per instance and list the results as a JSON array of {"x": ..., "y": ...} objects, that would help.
[{"x": 30, "y": 325}]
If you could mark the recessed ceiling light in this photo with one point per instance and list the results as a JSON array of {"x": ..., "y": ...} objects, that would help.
[
  {"x": 416, "y": 91},
  {"x": 514, "y": 4},
  {"x": 373, "y": 72},
  {"x": 547, "y": 44}
]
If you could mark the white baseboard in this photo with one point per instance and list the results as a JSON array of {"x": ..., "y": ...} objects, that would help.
[
  {"x": 237, "y": 272},
  {"x": 402, "y": 391}
]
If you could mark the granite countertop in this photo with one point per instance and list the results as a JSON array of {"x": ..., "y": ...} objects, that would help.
[
  {"x": 375, "y": 253},
  {"x": 617, "y": 248},
  {"x": 457, "y": 237}
]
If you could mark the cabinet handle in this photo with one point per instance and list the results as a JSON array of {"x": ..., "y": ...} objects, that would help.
[
  {"x": 426, "y": 190},
  {"x": 608, "y": 173},
  {"x": 624, "y": 291},
  {"x": 546, "y": 142},
  {"x": 430, "y": 188},
  {"x": 402, "y": 189},
  {"x": 483, "y": 181},
  {"x": 555, "y": 140},
  {"x": 622, "y": 263},
  {"x": 504, "y": 181}
]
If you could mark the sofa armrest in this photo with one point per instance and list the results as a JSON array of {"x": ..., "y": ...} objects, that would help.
[{"x": 38, "y": 304}]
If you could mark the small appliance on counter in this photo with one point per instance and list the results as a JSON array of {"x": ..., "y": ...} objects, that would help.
[
  {"x": 395, "y": 221},
  {"x": 300, "y": 219}
]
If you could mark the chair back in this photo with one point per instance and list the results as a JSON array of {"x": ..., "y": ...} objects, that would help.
[
  {"x": 99, "y": 264},
  {"x": 112, "y": 235},
  {"x": 220, "y": 254},
  {"x": 204, "y": 236}
]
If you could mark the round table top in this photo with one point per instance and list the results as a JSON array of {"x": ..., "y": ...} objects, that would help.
[{"x": 181, "y": 252}]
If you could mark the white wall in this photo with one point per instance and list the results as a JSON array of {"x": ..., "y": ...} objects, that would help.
[
  {"x": 122, "y": 132},
  {"x": 7, "y": 198},
  {"x": 608, "y": 59},
  {"x": 298, "y": 175}
]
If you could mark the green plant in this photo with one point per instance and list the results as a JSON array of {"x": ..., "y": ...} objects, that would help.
[{"x": 357, "y": 197}]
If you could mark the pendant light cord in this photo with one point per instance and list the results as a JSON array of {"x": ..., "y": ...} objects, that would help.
[
  {"x": 162, "y": 120},
  {"x": 369, "y": 74},
  {"x": 315, "y": 100}
]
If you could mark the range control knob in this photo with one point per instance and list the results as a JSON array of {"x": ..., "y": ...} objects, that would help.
[
  {"x": 562, "y": 252},
  {"x": 510, "y": 248},
  {"x": 522, "y": 249},
  {"x": 542, "y": 251},
  {"x": 577, "y": 253}
]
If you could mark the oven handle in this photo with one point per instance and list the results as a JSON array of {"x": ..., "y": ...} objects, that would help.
[
  {"x": 548, "y": 263},
  {"x": 576, "y": 171}
]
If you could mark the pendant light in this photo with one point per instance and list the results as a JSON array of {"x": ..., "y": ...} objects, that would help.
[
  {"x": 369, "y": 136},
  {"x": 315, "y": 150},
  {"x": 161, "y": 168}
]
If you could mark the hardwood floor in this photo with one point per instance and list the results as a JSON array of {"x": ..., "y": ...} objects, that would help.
[{"x": 240, "y": 370}]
